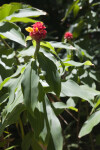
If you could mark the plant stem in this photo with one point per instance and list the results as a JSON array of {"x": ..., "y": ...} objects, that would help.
[
  {"x": 71, "y": 114},
  {"x": 78, "y": 123},
  {"x": 21, "y": 128},
  {"x": 90, "y": 135},
  {"x": 63, "y": 120},
  {"x": 91, "y": 140},
  {"x": 37, "y": 49},
  {"x": 17, "y": 60},
  {"x": 5, "y": 43}
]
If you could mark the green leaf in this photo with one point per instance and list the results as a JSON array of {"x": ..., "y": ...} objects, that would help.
[
  {"x": 77, "y": 64},
  {"x": 70, "y": 102},
  {"x": 11, "y": 147},
  {"x": 26, "y": 143},
  {"x": 41, "y": 93},
  {"x": 38, "y": 123},
  {"x": 72, "y": 89},
  {"x": 4, "y": 97},
  {"x": 55, "y": 127},
  {"x": 62, "y": 45},
  {"x": 48, "y": 45},
  {"x": 81, "y": 52},
  {"x": 7, "y": 62},
  {"x": 96, "y": 104},
  {"x": 3, "y": 83},
  {"x": 29, "y": 84},
  {"x": 12, "y": 112},
  {"x": 95, "y": 75},
  {"x": 70, "y": 9},
  {"x": 88, "y": 63},
  {"x": 91, "y": 91},
  {"x": 19, "y": 71},
  {"x": 13, "y": 85},
  {"x": 8, "y": 9},
  {"x": 51, "y": 144},
  {"x": 35, "y": 145},
  {"x": 27, "y": 12},
  {"x": 76, "y": 10},
  {"x": 28, "y": 38},
  {"x": 27, "y": 52},
  {"x": 12, "y": 32},
  {"x": 24, "y": 19},
  {"x": 94, "y": 4},
  {"x": 92, "y": 121},
  {"x": 51, "y": 74},
  {"x": 59, "y": 107}
]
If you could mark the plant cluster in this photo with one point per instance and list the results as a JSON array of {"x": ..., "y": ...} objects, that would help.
[{"x": 49, "y": 90}]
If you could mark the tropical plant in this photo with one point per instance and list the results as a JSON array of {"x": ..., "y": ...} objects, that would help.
[{"x": 48, "y": 88}]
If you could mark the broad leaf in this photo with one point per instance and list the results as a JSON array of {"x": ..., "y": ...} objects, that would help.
[
  {"x": 7, "y": 62},
  {"x": 12, "y": 112},
  {"x": 48, "y": 45},
  {"x": 24, "y": 19},
  {"x": 77, "y": 64},
  {"x": 4, "y": 82},
  {"x": 12, "y": 32},
  {"x": 62, "y": 45},
  {"x": 13, "y": 84},
  {"x": 72, "y": 89},
  {"x": 30, "y": 141},
  {"x": 27, "y": 52},
  {"x": 29, "y": 84},
  {"x": 51, "y": 74},
  {"x": 8, "y": 9},
  {"x": 28, "y": 12},
  {"x": 55, "y": 127},
  {"x": 92, "y": 121},
  {"x": 38, "y": 123}
]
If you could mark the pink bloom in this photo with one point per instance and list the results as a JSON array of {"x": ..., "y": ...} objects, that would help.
[
  {"x": 37, "y": 32},
  {"x": 68, "y": 36}
]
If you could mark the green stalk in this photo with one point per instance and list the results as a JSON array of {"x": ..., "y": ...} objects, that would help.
[
  {"x": 5, "y": 43},
  {"x": 37, "y": 49},
  {"x": 21, "y": 128}
]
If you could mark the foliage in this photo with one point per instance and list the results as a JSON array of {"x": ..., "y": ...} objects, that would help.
[{"x": 54, "y": 100}]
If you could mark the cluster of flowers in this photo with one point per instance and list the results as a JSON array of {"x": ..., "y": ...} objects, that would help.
[{"x": 38, "y": 32}]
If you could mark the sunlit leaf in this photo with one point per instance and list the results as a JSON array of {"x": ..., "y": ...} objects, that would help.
[
  {"x": 8, "y": 9},
  {"x": 12, "y": 32},
  {"x": 72, "y": 89},
  {"x": 62, "y": 45},
  {"x": 92, "y": 121},
  {"x": 51, "y": 74},
  {"x": 28, "y": 12}
]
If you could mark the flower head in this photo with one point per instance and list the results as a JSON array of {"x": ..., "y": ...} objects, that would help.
[
  {"x": 68, "y": 36},
  {"x": 37, "y": 32}
]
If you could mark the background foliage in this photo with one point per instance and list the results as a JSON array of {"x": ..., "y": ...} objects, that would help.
[{"x": 63, "y": 112}]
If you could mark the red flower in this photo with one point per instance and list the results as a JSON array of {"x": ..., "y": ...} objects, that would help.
[
  {"x": 68, "y": 36},
  {"x": 37, "y": 32}
]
